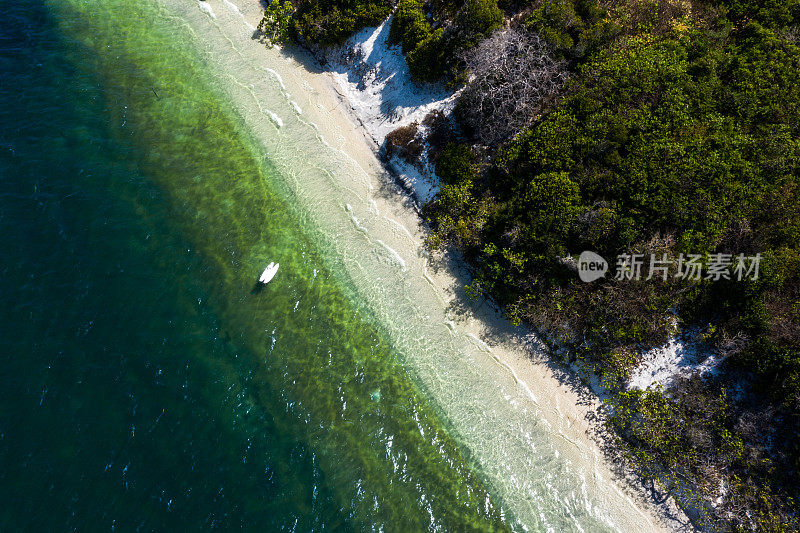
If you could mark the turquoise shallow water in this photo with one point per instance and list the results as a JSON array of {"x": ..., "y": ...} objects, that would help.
[{"x": 147, "y": 383}]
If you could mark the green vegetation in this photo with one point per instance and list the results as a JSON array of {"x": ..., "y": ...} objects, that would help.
[
  {"x": 275, "y": 27},
  {"x": 456, "y": 164},
  {"x": 423, "y": 46},
  {"x": 696, "y": 438},
  {"x": 774, "y": 14},
  {"x": 323, "y": 22},
  {"x": 476, "y": 20},
  {"x": 410, "y": 25},
  {"x": 431, "y": 38},
  {"x": 678, "y": 134},
  {"x": 432, "y": 48},
  {"x": 576, "y": 28}
]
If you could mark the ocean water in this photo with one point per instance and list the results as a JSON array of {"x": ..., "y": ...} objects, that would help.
[
  {"x": 147, "y": 383},
  {"x": 152, "y": 162}
]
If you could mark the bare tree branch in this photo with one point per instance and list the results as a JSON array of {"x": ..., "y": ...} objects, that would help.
[{"x": 512, "y": 77}]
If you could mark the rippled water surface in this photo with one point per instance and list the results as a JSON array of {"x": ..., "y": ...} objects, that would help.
[{"x": 147, "y": 381}]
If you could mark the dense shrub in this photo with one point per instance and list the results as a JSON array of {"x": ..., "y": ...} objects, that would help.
[
  {"x": 405, "y": 143},
  {"x": 431, "y": 58},
  {"x": 695, "y": 434},
  {"x": 432, "y": 44},
  {"x": 771, "y": 13},
  {"x": 457, "y": 167},
  {"x": 680, "y": 138},
  {"x": 275, "y": 26},
  {"x": 330, "y": 22},
  {"x": 575, "y": 27},
  {"x": 456, "y": 164},
  {"x": 409, "y": 26},
  {"x": 476, "y": 20}
]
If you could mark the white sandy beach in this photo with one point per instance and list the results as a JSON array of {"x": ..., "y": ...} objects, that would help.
[{"x": 377, "y": 232}]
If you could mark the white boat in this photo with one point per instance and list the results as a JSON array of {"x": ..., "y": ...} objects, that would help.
[{"x": 269, "y": 273}]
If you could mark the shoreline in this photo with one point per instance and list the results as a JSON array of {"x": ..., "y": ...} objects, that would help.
[
  {"x": 487, "y": 317},
  {"x": 566, "y": 404}
]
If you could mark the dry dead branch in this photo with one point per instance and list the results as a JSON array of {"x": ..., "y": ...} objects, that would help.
[{"x": 513, "y": 76}]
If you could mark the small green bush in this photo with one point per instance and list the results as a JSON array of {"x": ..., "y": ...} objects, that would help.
[
  {"x": 476, "y": 20},
  {"x": 275, "y": 27},
  {"x": 577, "y": 28},
  {"x": 774, "y": 14},
  {"x": 429, "y": 60},
  {"x": 456, "y": 164},
  {"x": 409, "y": 26},
  {"x": 331, "y": 22}
]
